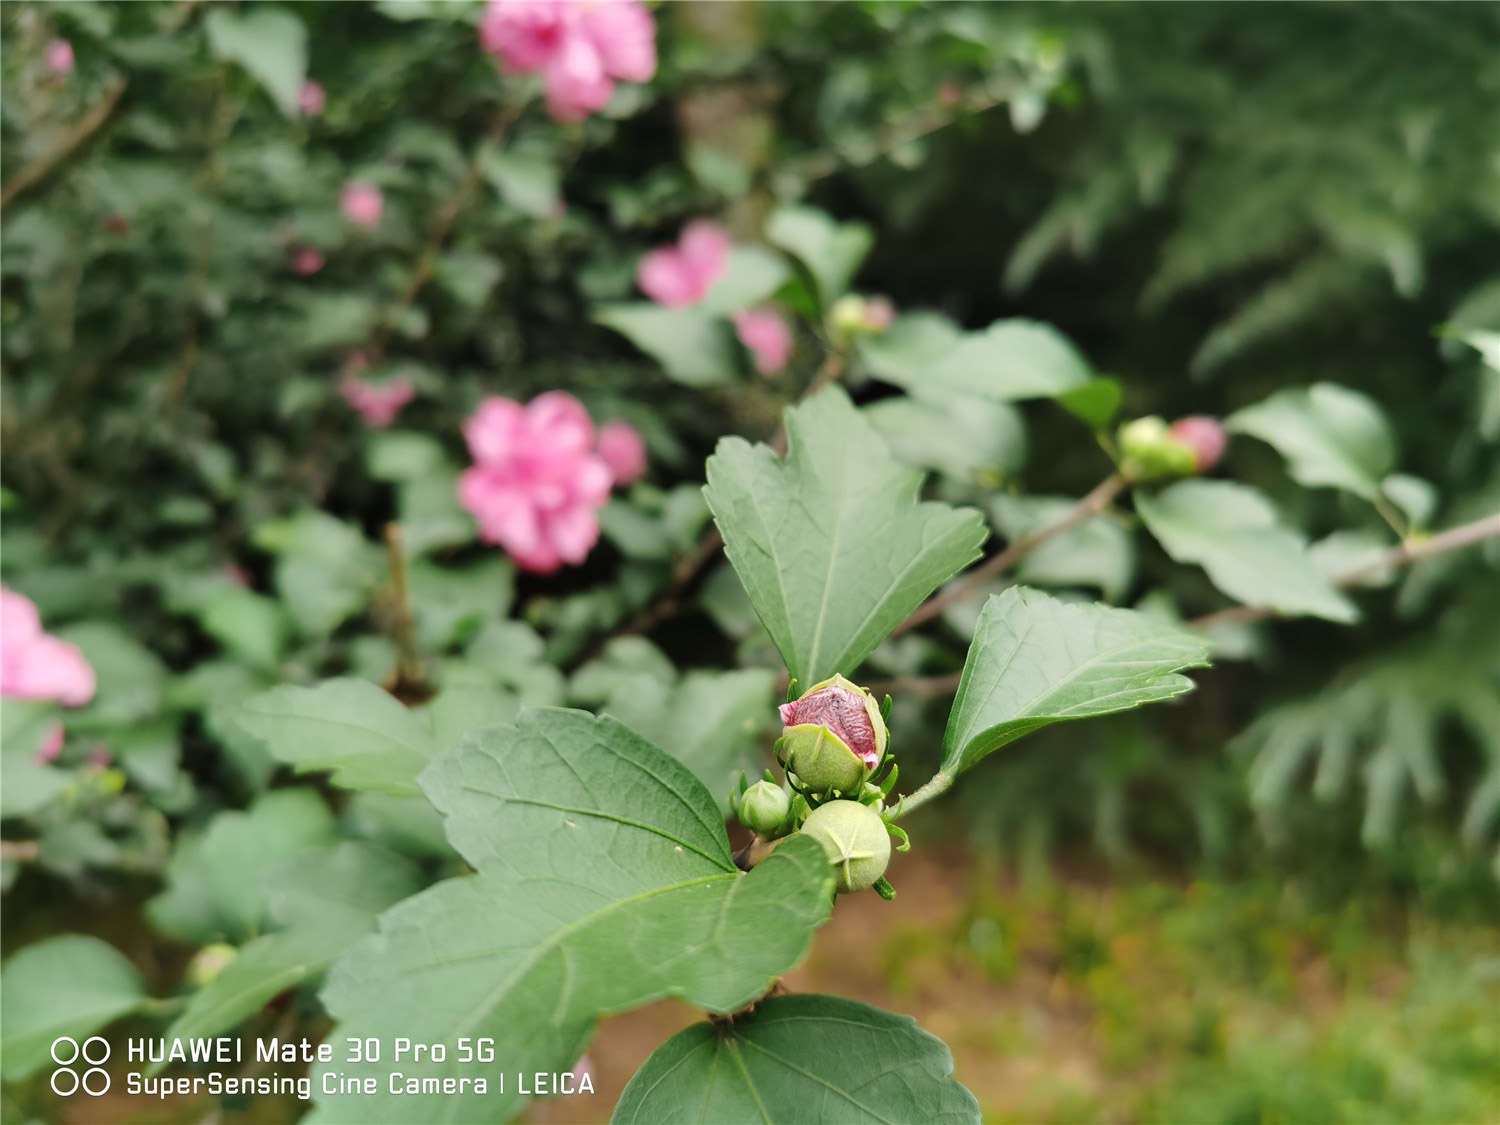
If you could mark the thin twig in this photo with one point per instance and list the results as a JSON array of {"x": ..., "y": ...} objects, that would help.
[
  {"x": 1413, "y": 550},
  {"x": 442, "y": 224},
  {"x": 84, "y": 128},
  {"x": 1465, "y": 535},
  {"x": 1089, "y": 506},
  {"x": 408, "y": 664}
]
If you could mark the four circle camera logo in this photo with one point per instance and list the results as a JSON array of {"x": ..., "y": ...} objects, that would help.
[{"x": 66, "y": 1052}]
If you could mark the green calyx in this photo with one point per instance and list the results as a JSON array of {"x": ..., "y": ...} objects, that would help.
[
  {"x": 855, "y": 839},
  {"x": 820, "y": 759}
]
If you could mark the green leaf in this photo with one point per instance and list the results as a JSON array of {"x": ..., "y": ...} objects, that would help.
[
  {"x": 70, "y": 985},
  {"x": 369, "y": 739},
  {"x": 832, "y": 544},
  {"x": 531, "y": 182},
  {"x": 969, "y": 439},
  {"x": 751, "y": 275},
  {"x": 1008, "y": 361},
  {"x": 325, "y": 570},
  {"x": 130, "y": 677},
  {"x": 270, "y": 43},
  {"x": 1328, "y": 434},
  {"x": 693, "y": 346},
  {"x": 604, "y": 881},
  {"x": 1417, "y": 498},
  {"x": 401, "y": 455},
  {"x": 802, "y": 1059},
  {"x": 831, "y": 251},
  {"x": 710, "y": 721},
  {"x": 1095, "y": 402},
  {"x": 905, "y": 351},
  {"x": 219, "y": 882},
  {"x": 249, "y": 625},
  {"x": 1036, "y": 661},
  {"x": 1233, "y": 532},
  {"x": 1098, "y": 552},
  {"x": 329, "y": 898},
  {"x": 451, "y": 603}
]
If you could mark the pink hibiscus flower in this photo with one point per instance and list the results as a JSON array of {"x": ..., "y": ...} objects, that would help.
[
  {"x": 537, "y": 483},
  {"x": 34, "y": 665},
  {"x": 580, "y": 47},
  {"x": 680, "y": 275},
  {"x": 362, "y": 203}
]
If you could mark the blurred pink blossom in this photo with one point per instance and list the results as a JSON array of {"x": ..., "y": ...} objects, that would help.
[
  {"x": 768, "y": 336},
  {"x": 362, "y": 203},
  {"x": 680, "y": 275},
  {"x": 622, "y": 449},
  {"x": 377, "y": 403},
  {"x": 307, "y": 260},
  {"x": 537, "y": 484},
  {"x": 1205, "y": 436},
  {"x": 311, "y": 98},
  {"x": 60, "y": 56},
  {"x": 581, "y": 47},
  {"x": 51, "y": 747},
  {"x": 879, "y": 313},
  {"x": 34, "y": 665},
  {"x": 100, "y": 757}
]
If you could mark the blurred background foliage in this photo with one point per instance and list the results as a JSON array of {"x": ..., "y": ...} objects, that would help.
[{"x": 1215, "y": 202}]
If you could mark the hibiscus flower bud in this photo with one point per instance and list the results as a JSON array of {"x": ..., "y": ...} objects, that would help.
[
  {"x": 834, "y": 737},
  {"x": 209, "y": 962},
  {"x": 855, "y": 839},
  {"x": 1148, "y": 451},
  {"x": 1204, "y": 436},
  {"x": 764, "y": 809}
]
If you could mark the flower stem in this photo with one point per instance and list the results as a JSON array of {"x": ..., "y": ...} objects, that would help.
[
  {"x": 1100, "y": 498},
  {"x": 936, "y": 786}
]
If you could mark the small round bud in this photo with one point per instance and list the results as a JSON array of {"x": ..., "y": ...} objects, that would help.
[
  {"x": 1204, "y": 436},
  {"x": 1148, "y": 451},
  {"x": 855, "y": 839},
  {"x": 764, "y": 809},
  {"x": 848, "y": 314},
  {"x": 209, "y": 962}
]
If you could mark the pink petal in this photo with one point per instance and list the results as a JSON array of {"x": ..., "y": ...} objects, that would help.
[
  {"x": 494, "y": 429},
  {"x": 53, "y": 669},
  {"x": 311, "y": 99},
  {"x": 362, "y": 203},
  {"x": 767, "y": 335},
  {"x": 624, "y": 34},
  {"x": 60, "y": 56},
  {"x": 573, "y": 532},
  {"x": 622, "y": 450},
  {"x": 51, "y": 746},
  {"x": 576, "y": 82},
  {"x": 20, "y": 624},
  {"x": 666, "y": 277},
  {"x": 526, "y": 34},
  {"x": 705, "y": 245},
  {"x": 559, "y": 422}
]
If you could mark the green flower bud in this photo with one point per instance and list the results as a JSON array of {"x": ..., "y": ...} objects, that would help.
[
  {"x": 848, "y": 314},
  {"x": 1150, "y": 451},
  {"x": 209, "y": 962},
  {"x": 764, "y": 809},
  {"x": 855, "y": 839}
]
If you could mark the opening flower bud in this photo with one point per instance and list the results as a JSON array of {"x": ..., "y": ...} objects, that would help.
[
  {"x": 1204, "y": 436},
  {"x": 834, "y": 736},
  {"x": 765, "y": 809},
  {"x": 855, "y": 839}
]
